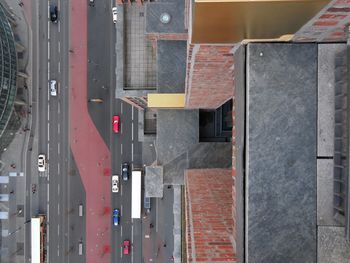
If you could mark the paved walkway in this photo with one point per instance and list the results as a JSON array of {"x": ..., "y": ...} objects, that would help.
[
  {"x": 90, "y": 152},
  {"x": 14, "y": 158}
]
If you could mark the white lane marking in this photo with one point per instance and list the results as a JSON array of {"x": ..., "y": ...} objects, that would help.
[
  {"x": 48, "y": 131},
  {"x": 132, "y": 113},
  {"x": 121, "y": 252},
  {"x": 121, "y": 107},
  {"x": 58, "y": 148},
  {"x": 132, "y": 238},
  {"x": 48, "y": 29},
  {"x": 48, "y": 10},
  {"x": 48, "y": 110},
  {"x": 48, "y": 192},
  {"x": 157, "y": 213},
  {"x": 59, "y": 26},
  {"x": 58, "y": 211},
  {"x": 58, "y": 131},
  {"x": 121, "y": 189},
  {"x": 58, "y": 168},
  {"x": 58, "y": 190},
  {"x": 48, "y": 157},
  {"x": 59, "y": 67},
  {"x": 48, "y": 50},
  {"x": 59, "y": 108},
  {"x": 132, "y": 152},
  {"x": 121, "y": 128},
  {"x": 121, "y": 231},
  {"x": 121, "y": 149},
  {"x": 59, "y": 87},
  {"x": 132, "y": 131},
  {"x": 58, "y": 250},
  {"x": 59, "y": 47},
  {"x": 58, "y": 230},
  {"x": 48, "y": 213}
]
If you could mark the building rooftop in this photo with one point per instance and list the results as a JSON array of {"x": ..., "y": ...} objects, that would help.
[{"x": 209, "y": 222}]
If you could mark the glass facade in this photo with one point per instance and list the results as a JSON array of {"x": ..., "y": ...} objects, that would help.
[{"x": 8, "y": 71}]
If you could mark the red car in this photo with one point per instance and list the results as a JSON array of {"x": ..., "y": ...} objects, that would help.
[
  {"x": 126, "y": 247},
  {"x": 115, "y": 123}
]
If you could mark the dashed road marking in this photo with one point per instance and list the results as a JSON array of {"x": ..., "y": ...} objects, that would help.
[{"x": 132, "y": 152}]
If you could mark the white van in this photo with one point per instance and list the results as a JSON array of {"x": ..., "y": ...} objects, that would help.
[{"x": 80, "y": 248}]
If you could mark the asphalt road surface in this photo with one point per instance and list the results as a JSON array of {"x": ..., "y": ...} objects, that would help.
[
  {"x": 60, "y": 193},
  {"x": 124, "y": 146},
  {"x": 53, "y": 127}
]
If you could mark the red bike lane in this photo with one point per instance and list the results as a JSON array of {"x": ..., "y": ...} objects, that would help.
[{"x": 90, "y": 152}]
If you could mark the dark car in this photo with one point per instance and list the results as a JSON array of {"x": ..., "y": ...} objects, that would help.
[
  {"x": 116, "y": 217},
  {"x": 53, "y": 13},
  {"x": 125, "y": 171}
]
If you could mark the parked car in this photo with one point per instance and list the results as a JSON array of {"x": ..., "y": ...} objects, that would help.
[
  {"x": 115, "y": 183},
  {"x": 147, "y": 203},
  {"x": 115, "y": 123},
  {"x": 53, "y": 87},
  {"x": 42, "y": 163},
  {"x": 53, "y": 13},
  {"x": 125, "y": 171},
  {"x": 115, "y": 14},
  {"x": 116, "y": 217},
  {"x": 126, "y": 247}
]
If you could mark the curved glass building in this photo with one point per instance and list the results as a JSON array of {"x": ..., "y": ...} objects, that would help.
[{"x": 8, "y": 71}]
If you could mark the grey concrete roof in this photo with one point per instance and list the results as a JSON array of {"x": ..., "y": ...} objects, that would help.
[
  {"x": 154, "y": 181},
  {"x": 177, "y": 132},
  {"x": 171, "y": 64},
  {"x": 176, "y": 11}
]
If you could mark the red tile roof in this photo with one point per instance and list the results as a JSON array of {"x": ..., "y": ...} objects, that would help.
[{"x": 209, "y": 222}]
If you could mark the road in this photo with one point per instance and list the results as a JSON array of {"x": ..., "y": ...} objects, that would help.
[
  {"x": 124, "y": 146},
  {"x": 53, "y": 127},
  {"x": 60, "y": 189}
]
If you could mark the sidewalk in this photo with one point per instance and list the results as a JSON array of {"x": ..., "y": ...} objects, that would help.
[
  {"x": 90, "y": 151},
  {"x": 14, "y": 158}
]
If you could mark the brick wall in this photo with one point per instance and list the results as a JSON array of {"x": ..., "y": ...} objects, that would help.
[
  {"x": 209, "y": 75},
  {"x": 209, "y": 222},
  {"x": 329, "y": 25}
]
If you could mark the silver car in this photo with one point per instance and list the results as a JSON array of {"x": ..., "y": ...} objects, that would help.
[
  {"x": 53, "y": 87},
  {"x": 42, "y": 163},
  {"x": 115, "y": 14},
  {"x": 115, "y": 183}
]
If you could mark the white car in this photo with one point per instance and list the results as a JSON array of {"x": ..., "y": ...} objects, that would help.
[
  {"x": 115, "y": 14},
  {"x": 42, "y": 163},
  {"x": 53, "y": 87},
  {"x": 115, "y": 183}
]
